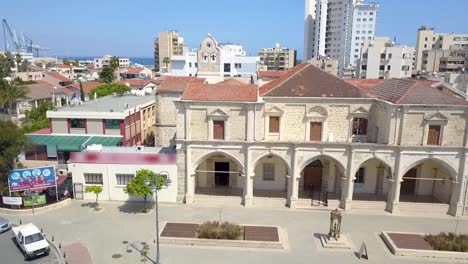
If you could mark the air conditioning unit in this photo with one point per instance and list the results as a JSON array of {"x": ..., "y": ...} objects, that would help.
[{"x": 62, "y": 172}]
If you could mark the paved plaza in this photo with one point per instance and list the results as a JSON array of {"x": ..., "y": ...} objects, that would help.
[{"x": 114, "y": 235}]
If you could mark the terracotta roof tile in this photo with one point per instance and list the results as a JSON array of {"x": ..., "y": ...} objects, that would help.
[
  {"x": 177, "y": 83},
  {"x": 58, "y": 76},
  {"x": 270, "y": 74},
  {"x": 220, "y": 92},
  {"x": 364, "y": 84},
  {"x": 306, "y": 80},
  {"x": 41, "y": 90},
  {"x": 232, "y": 81},
  {"x": 87, "y": 86},
  {"x": 138, "y": 83},
  {"x": 131, "y": 71},
  {"x": 407, "y": 91}
]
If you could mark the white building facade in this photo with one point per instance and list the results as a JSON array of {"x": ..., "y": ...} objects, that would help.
[
  {"x": 103, "y": 62},
  {"x": 184, "y": 65},
  {"x": 383, "y": 59}
]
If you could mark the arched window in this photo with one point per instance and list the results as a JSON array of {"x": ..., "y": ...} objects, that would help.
[
  {"x": 205, "y": 57},
  {"x": 213, "y": 57}
]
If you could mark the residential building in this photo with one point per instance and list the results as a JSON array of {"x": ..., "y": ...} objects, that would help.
[
  {"x": 75, "y": 89},
  {"x": 134, "y": 73},
  {"x": 431, "y": 60},
  {"x": 336, "y": 28},
  {"x": 103, "y": 62},
  {"x": 69, "y": 71},
  {"x": 217, "y": 61},
  {"x": 382, "y": 59},
  {"x": 110, "y": 121},
  {"x": 327, "y": 64},
  {"x": 169, "y": 43},
  {"x": 184, "y": 65},
  {"x": 114, "y": 167},
  {"x": 56, "y": 79},
  {"x": 437, "y": 61},
  {"x": 38, "y": 93},
  {"x": 427, "y": 39},
  {"x": 399, "y": 146},
  {"x": 170, "y": 90},
  {"x": 33, "y": 73},
  {"x": 141, "y": 84},
  {"x": 277, "y": 58}
]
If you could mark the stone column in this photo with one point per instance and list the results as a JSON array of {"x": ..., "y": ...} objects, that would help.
[
  {"x": 459, "y": 189},
  {"x": 247, "y": 198},
  {"x": 380, "y": 179},
  {"x": 347, "y": 194},
  {"x": 293, "y": 181},
  {"x": 250, "y": 124},
  {"x": 393, "y": 200},
  {"x": 190, "y": 177}
]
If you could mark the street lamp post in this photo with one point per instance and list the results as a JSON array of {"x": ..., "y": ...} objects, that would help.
[{"x": 154, "y": 189}]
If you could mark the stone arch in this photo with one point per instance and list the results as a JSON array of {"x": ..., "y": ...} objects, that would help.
[
  {"x": 356, "y": 168},
  {"x": 310, "y": 160},
  {"x": 452, "y": 171},
  {"x": 220, "y": 152},
  {"x": 288, "y": 165}
]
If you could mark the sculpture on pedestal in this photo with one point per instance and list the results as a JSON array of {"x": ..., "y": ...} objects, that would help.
[{"x": 335, "y": 224}]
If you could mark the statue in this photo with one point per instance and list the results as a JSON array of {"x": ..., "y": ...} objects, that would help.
[{"x": 335, "y": 224}]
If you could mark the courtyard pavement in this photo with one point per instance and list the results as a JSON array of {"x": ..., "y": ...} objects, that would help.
[{"x": 114, "y": 235}]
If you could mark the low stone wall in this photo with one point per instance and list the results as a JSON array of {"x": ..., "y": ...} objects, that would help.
[
  {"x": 37, "y": 210},
  {"x": 417, "y": 252},
  {"x": 227, "y": 243}
]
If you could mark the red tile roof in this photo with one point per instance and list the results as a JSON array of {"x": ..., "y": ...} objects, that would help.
[
  {"x": 44, "y": 131},
  {"x": 406, "y": 91},
  {"x": 132, "y": 71},
  {"x": 364, "y": 84},
  {"x": 220, "y": 92},
  {"x": 58, "y": 76},
  {"x": 41, "y": 90},
  {"x": 306, "y": 80},
  {"x": 138, "y": 82},
  {"x": 67, "y": 91},
  {"x": 87, "y": 86},
  {"x": 270, "y": 74},
  {"x": 232, "y": 81},
  {"x": 177, "y": 83},
  {"x": 62, "y": 66}
]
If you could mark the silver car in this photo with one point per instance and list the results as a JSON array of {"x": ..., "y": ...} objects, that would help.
[{"x": 5, "y": 225}]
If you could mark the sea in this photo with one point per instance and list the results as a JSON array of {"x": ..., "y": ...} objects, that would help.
[{"x": 148, "y": 62}]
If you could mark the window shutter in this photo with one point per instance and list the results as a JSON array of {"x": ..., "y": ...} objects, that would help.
[
  {"x": 433, "y": 135},
  {"x": 315, "y": 131},
  {"x": 274, "y": 124},
  {"x": 364, "y": 126},
  {"x": 218, "y": 129}
]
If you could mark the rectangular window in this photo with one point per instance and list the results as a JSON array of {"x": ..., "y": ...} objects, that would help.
[
  {"x": 382, "y": 67},
  {"x": 389, "y": 55},
  {"x": 77, "y": 123},
  {"x": 227, "y": 67},
  {"x": 389, "y": 67},
  {"x": 315, "y": 131},
  {"x": 382, "y": 55},
  {"x": 433, "y": 136},
  {"x": 360, "y": 176},
  {"x": 124, "y": 179},
  {"x": 268, "y": 171},
  {"x": 359, "y": 126},
  {"x": 112, "y": 124},
  {"x": 93, "y": 178},
  {"x": 274, "y": 126},
  {"x": 218, "y": 130}
]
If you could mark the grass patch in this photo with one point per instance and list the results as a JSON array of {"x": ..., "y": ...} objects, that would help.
[
  {"x": 448, "y": 242},
  {"x": 217, "y": 230}
]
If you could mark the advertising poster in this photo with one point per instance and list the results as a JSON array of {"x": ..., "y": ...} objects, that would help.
[
  {"x": 30, "y": 179},
  {"x": 34, "y": 200},
  {"x": 12, "y": 200}
]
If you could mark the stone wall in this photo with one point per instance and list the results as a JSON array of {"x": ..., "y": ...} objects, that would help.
[{"x": 198, "y": 124}]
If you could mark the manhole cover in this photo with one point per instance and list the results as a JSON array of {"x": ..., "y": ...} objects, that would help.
[
  {"x": 129, "y": 251},
  {"x": 143, "y": 243},
  {"x": 125, "y": 242},
  {"x": 117, "y": 256}
]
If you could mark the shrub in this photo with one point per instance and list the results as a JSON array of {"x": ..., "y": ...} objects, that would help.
[
  {"x": 216, "y": 230},
  {"x": 448, "y": 242}
]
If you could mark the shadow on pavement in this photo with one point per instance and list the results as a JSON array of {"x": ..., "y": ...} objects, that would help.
[{"x": 135, "y": 207}]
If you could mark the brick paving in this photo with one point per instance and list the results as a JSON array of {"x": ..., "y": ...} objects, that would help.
[
  {"x": 179, "y": 230},
  {"x": 410, "y": 241},
  {"x": 261, "y": 233},
  {"x": 77, "y": 253}
]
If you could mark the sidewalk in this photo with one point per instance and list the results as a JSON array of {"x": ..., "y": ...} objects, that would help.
[{"x": 77, "y": 253}]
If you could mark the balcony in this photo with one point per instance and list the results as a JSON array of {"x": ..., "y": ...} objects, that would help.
[{"x": 384, "y": 61}]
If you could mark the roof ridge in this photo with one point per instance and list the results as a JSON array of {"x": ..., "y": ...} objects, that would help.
[
  {"x": 407, "y": 91},
  {"x": 287, "y": 79}
]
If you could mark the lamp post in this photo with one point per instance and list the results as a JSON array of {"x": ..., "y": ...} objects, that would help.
[{"x": 154, "y": 188}]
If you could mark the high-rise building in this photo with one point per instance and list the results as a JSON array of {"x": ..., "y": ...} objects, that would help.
[
  {"x": 427, "y": 39},
  {"x": 277, "y": 58},
  {"x": 169, "y": 43},
  {"x": 337, "y": 28}
]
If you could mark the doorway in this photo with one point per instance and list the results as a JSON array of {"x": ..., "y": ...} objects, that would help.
[
  {"x": 408, "y": 185},
  {"x": 313, "y": 176},
  {"x": 221, "y": 174}
]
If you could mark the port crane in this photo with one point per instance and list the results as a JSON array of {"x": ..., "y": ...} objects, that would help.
[{"x": 21, "y": 43}]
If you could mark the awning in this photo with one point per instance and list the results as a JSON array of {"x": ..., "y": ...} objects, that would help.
[{"x": 72, "y": 142}]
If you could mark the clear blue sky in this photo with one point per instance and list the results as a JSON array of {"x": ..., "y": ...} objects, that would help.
[{"x": 127, "y": 28}]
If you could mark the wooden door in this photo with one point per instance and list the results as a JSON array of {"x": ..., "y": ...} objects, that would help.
[
  {"x": 408, "y": 186},
  {"x": 315, "y": 131},
  {"x": 433, "y": 135},
  {"x": 218, "y": 130},
  {"x": 312, "y": 178},
  {"x": 274, "y": 125},
  {"x": 221, "y": 174}
]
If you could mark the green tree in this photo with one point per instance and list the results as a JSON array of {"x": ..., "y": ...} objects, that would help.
[
  {"x": 76, "y": 63},
  {"x": 107, "y": 75},
  {"x": 6, "y": 63},
  {"x": 10, "y": 92},
  {"x": 144, "y": 253},
  {"x": 96, "y": 190},
  {"x": 12, "y": 142},
  {"x": 108, "y": 89},
  {"x": 138, "y": 187},
  {"x": 36, "y": 119},
  {"x": 167, "y": 61},
  {"x": 18, "y": 60},
  {"x": 114, "y": 63},
  {"x": 23, "y": 66},
  {"x": 82, "y": 95},
  {"x": 66, "y": 62}
]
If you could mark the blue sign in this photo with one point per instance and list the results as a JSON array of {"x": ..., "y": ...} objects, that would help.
[{"x": 33, "y": 178}]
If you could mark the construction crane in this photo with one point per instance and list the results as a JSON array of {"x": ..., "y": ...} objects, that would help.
[{"x": 22, "y": 43}]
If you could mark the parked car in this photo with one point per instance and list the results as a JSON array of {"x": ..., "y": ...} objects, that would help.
[
  {"x": 5, "y": 225},
  {"x": 31, "y": 241}
]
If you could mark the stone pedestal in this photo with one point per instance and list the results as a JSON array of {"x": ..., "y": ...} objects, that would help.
[{"x": 342, "y": 242}]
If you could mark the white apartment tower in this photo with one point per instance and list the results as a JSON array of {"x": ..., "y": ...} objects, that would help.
[{"x": 332, "y": 27}]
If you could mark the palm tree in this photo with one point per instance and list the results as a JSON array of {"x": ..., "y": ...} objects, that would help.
[
  {"x": 10, "y": 92},
  {"x": 166, "y": 61},
  {"x": 114, "y": 63},
  {"x": 18, "y": 60}
]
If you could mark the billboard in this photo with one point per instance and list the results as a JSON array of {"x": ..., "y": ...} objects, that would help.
[
  {"x": 12, "y": 200},
  {"x": 34, "y": 200},
  {"x": 30, "y": 179}
]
